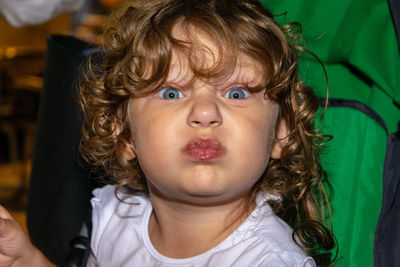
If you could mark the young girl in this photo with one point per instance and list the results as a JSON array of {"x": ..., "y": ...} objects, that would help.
[{"x": 195, "y": 110}]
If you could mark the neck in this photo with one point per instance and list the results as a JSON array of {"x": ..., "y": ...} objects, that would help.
[{"x": 182, "y": 230}]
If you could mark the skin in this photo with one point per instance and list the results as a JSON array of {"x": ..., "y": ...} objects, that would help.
[
  {"x": 198, "y": 203},
  {"x": 15, "y": 247}
]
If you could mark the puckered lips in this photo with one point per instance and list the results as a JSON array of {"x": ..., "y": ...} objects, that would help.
[{"x": 204, "y": 149}]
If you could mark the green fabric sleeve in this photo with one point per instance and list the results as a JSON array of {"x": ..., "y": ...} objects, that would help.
[
  {"x": 358, "y": 35},
  {"x": 356, "y": 41}
]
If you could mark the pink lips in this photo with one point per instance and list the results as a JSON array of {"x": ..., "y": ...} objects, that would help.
[{"x": 204, "y": 149}]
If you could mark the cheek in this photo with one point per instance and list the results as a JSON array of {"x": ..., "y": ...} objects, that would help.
[
  {"x": 256, "y": 136},
  {"x": 257, "y": 133},
  {"x": 154, "y": 138},
  {"x": 259, "y": 149}
]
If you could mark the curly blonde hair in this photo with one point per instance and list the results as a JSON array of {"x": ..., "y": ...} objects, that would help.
[{"x": 135, "y": 60}]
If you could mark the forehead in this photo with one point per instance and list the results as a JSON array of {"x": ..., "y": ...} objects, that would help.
[{"x": 214, "y": 59}]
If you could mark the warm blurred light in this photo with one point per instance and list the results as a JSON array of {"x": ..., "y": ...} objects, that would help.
[
  {"x": 10, "y": 52},
  {"x": 30, "y": 82},
  {"x": 110, "y": 3}
]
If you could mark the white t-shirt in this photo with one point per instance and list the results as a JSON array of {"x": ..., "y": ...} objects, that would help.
[{"x": 120, "y": 237}]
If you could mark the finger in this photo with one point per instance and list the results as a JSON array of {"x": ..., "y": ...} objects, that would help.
[
  {"x": 7, "y": 222},
  {"x": 5, "y": 214}
]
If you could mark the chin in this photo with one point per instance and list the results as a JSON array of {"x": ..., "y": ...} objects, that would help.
[{"x": 211, "y": 196}]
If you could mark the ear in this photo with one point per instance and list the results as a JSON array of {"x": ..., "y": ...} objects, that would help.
[
  {"x": 281, "y": 139},
  {"x": 127, "y": 151}
]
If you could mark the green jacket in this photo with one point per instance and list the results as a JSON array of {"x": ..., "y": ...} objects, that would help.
[{"x": 356, "y": 41}]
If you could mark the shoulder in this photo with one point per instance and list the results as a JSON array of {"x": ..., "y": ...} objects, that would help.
[
  {"x": 108, "y": 198},
  {"x": 287, "y": 258},
  {"x": 270, "y": 240},
  {"x": 112, "y": 210}
]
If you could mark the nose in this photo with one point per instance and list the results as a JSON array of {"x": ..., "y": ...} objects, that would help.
[{"x": 204, "y": 112}]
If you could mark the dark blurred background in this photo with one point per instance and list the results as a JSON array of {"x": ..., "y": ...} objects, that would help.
[{"x": 22, "y": 63}]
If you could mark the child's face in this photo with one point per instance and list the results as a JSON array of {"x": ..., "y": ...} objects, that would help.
[{"x": 204, "y": 142}]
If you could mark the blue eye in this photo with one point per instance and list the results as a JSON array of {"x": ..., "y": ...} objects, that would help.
[
  {"x": 237, "y": 93},
  {"x": 170, "y": 93}
]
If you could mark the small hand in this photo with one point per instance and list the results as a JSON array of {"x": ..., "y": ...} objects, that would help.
[{"x": 15, "y": 247}]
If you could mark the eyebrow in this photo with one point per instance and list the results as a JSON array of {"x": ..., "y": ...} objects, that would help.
[{"x": 182, "y": 75}]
